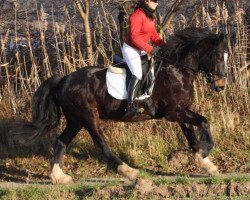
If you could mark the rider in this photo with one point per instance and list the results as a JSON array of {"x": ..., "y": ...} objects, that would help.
[{"x": 141, "y": 31}]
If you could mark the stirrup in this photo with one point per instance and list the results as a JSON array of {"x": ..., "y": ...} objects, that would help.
[
  {"x": 150, "y": 107},
  {"x": 132, "y": 111}
]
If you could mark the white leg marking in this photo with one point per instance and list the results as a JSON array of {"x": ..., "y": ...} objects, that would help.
[
  {"x": 58, "y": 177},
  {"x": 56, "y": 170},
  {"x": 127, "y": 171},
  {"x": 207, "y": 165}
]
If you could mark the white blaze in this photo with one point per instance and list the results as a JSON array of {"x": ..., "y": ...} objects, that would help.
[
  {"x": 225, "y": 60},
  {"x": 225, "y": 57}
]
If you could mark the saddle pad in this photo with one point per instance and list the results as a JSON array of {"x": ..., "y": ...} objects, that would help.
[
  {"x": 116, "y": 70},
  {"x": 116, "y": 84}
]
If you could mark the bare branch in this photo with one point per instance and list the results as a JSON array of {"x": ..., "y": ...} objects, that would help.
[
  {"x": 167, "y": 19},
  {"x": 84, "y": 13}
]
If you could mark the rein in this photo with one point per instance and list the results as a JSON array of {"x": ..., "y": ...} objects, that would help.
[
  {"x": 208, "y": 75},
  {"x": 195, "y": 72}
]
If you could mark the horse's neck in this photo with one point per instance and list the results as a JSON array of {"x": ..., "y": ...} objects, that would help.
[
  {"x": 174, "y": 87},
  {"x": 174, "y": 77}
]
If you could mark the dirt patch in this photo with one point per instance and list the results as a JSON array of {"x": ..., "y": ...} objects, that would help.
[
  {"x": 144, "y": 189},
  {"x": 174, "y": 187}
]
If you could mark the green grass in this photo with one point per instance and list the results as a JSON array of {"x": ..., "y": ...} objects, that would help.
[
  {"x": 203, "y": 180},
  {"x": 41, "y": 192},
  {"x": 85, "y": 188}
]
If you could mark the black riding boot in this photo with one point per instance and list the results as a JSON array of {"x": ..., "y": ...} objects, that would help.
[
  {"x": 131, "y": 109},
  {"x": 150, "y": 107}
]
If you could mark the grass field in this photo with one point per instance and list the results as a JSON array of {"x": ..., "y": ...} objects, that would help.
[{"x": 231, "y": 186}]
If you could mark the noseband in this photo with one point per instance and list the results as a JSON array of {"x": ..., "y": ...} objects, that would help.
[{"x": 210, "y": 77}]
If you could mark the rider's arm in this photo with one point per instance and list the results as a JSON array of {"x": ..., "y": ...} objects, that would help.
[
  {"x": 136, "y": 21},
  {"x": 156, "y": 38}
]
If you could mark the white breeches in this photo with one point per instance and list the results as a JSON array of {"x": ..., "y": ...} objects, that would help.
[{"x": 132, "y": 57}]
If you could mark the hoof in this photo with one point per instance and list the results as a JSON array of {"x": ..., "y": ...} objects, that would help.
[
  {"x": 58, "y": 177},
  {"x": 207, "y": 165},
  {"x": 128, "y": 172},
  {"x": 211, "y": 169},
  {"x": 63, "y": 179}
]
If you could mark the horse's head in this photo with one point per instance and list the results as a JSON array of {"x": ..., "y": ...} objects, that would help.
[
  {"x": 214, "y": 62},
  {"x": 199, "y": 50}
]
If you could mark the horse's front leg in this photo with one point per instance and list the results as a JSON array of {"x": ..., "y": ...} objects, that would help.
[
  {"x": 188, "y": 131},
  {"x": 201, "y": 147},
  {"x": 195, "y": 145}
]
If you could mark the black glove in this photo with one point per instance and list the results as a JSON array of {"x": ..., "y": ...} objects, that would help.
[{"x": 155, "y": 50}]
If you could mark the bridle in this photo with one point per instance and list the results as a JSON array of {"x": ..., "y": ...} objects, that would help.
[{"x": 209, "y": 75}]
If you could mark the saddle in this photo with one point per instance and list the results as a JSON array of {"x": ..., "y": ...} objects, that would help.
[{"x": 119, "y": 75}]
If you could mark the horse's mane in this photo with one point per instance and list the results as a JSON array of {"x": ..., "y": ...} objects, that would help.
[{"x": 185, "y": 40}]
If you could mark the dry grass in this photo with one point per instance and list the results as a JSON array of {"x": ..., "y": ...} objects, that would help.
[{"x": 144, "y": 144}]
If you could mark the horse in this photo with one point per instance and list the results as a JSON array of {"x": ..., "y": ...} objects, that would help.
[{"x": 83, "y": 98}]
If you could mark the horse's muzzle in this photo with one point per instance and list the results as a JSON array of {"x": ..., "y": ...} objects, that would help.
[
  {"x": 219, "y": 84},
  {"x": 218, "y": 89}
]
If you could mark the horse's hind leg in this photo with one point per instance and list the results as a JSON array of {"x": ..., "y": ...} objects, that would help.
[
  {"x": 62, "y": 142},
  {"x": 92, "y": 125}
]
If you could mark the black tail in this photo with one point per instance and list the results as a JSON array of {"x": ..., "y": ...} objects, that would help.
[{"x": 45, "y": 113}]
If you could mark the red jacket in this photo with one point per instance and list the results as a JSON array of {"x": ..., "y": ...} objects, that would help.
[{"x": 141, "y": 31}]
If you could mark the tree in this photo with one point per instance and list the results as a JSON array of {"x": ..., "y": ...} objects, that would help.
[
  {"x": 83, "y": 8},
  {"x": 169, "y": 16}
]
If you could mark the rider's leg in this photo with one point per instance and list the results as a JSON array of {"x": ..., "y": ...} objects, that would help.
[
  {"x": 131, "y": 109},
  {"x": 133, "y": 59}
]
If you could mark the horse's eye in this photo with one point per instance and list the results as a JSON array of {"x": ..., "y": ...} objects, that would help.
[
  {"x": 219, "y": 58},
  {"x": 219, "y": 55}
]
